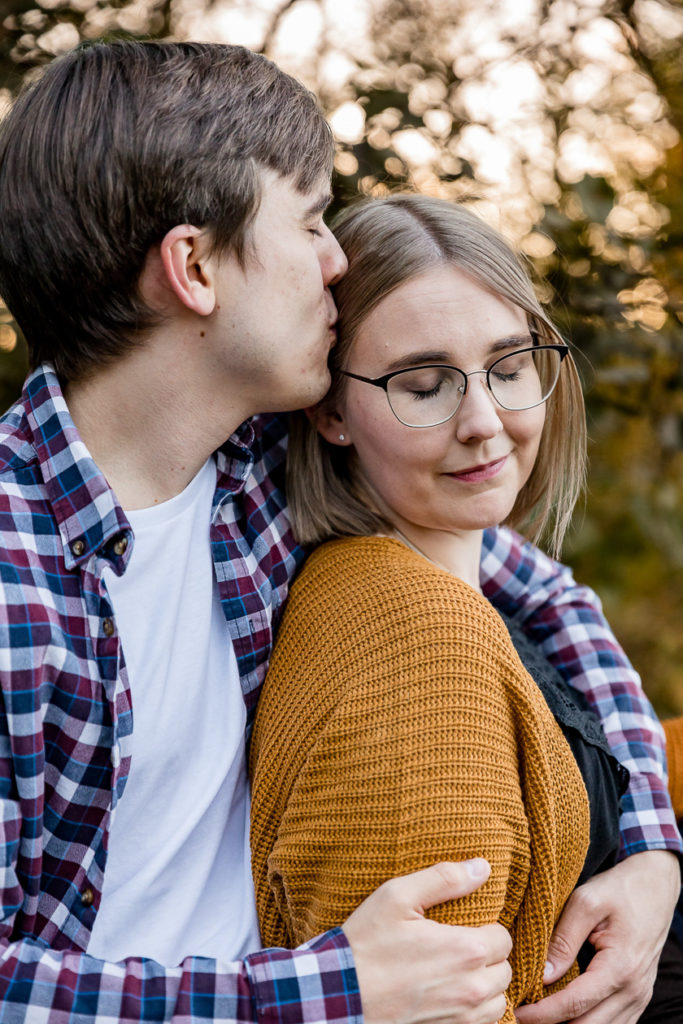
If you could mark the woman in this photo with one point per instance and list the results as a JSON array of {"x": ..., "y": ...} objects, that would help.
[{"x": 398, "y": 725}]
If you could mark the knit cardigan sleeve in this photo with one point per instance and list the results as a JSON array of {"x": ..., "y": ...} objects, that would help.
[
  {"x": 673, "y": 730},
  {"x": 396, "y": 728}
]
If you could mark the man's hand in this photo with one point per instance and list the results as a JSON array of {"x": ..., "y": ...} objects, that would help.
[
  {"x": 412, "y": 970},
  {"x": 625, "y": 913}
]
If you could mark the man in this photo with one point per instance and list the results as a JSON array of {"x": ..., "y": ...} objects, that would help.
[{"x": 162, "y": 247}]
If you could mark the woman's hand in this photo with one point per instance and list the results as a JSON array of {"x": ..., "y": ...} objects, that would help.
[
  {"x": 412, "y": 970},
  {"x": 625, "y": 913}
]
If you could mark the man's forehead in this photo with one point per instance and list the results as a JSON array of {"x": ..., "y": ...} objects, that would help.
[
  {"x": 320, "y": 202},
  {"x": 301, "y": 202}
]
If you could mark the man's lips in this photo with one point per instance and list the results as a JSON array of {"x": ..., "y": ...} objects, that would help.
[
  {"x": 330, "y": 308},
  {"x": 332, "y": 334},
  {"x": 485, "y": 471}
]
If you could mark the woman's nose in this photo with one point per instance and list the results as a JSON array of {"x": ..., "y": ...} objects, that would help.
[{"x": 478, "y": 413}]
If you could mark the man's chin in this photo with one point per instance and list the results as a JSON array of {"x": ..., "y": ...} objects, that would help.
[
  {"x": 317, "y": 391},
  {"x": 306, "y": 397}
]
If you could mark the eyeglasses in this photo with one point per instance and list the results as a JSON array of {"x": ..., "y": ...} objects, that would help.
[{"x": 425, "y": 396}]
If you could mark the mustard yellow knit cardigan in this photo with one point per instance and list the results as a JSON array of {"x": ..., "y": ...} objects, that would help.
[
  {"x": 673, "y": 729},
  {"x": 396, "y": 728}
]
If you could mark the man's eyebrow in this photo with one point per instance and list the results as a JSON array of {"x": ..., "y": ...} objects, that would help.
[{"x": 319, "y": 206}]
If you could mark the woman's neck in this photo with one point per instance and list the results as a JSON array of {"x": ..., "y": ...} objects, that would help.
[{"x": 457, "y": 553}]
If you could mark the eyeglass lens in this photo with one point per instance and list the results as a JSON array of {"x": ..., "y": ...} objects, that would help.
[{"x": 431, "y": 394}]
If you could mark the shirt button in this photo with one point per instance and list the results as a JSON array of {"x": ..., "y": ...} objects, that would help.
[
  {"x": 120, "y": 544},
  {"x": 87, "y": 897},
  {"x": 77, "y": 548},
  {"x": 108, "y": 627}
]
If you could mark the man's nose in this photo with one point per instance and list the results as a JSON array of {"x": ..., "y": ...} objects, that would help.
[{"x": 333, "y": 262}]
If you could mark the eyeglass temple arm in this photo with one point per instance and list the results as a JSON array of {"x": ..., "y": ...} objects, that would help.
[{"x": 379, "y": 382}]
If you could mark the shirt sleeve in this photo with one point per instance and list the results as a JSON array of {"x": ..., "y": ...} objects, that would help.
[
  {"x": 314, "y": 984},
  {"x": 566, "y": 621}
]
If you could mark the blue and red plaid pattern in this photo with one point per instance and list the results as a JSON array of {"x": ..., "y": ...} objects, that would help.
[
  {"x": 66, "y": 724},
  {"x": 567, "y": 623}
]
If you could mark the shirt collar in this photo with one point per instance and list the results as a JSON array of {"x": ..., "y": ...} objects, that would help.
[
  {"x": 89, "y": 517},
  {"x": 235, "y": 460},
  {"x": 85, "y": 507}
]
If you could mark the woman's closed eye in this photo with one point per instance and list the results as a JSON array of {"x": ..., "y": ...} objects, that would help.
[
  {"x": 507, "y": 378},
  {"x": 420, "y": 394},
  {"x": 421, "y": 385}
]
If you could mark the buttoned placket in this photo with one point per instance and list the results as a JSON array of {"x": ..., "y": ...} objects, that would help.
[
  {"x": 108, "y": 651},
  {"x": 113, "y": 678},
  {"x": 236, "y": 559}
]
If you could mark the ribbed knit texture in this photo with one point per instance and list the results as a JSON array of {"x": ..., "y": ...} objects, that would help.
[
  {"x": 396, "y": 728},
  {"x": 673, "y": 729}
]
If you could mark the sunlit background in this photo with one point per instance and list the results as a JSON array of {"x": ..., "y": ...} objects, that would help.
[{"x": 560, "y": 122}]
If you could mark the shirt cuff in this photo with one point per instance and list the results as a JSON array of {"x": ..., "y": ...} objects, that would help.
[
  {"x": 313, "y": 984},
  {"x": 647, "y": 819}
]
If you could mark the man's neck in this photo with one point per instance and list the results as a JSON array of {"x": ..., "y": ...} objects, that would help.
[{"x": 149, "y": 431}]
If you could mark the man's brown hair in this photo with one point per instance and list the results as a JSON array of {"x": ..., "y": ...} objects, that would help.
[{"x": 114, "y": 145}]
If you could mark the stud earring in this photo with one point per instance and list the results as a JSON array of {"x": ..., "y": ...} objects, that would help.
[{"x": 341, "y": 437}]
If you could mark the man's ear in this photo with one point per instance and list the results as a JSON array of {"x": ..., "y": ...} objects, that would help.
[
  {"x": 184, "y": 252},
  {"x": 330, "y": 423}
]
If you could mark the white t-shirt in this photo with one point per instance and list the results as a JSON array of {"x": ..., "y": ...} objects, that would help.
[{"x": 178, "y": 874}]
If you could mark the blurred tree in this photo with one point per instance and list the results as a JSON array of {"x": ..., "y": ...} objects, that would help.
[
  {"x": 622, "y": 290},
  {"x": 561, "y": 122}
]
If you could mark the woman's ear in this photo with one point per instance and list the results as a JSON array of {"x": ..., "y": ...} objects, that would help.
[{"x": 330, "y": 424}]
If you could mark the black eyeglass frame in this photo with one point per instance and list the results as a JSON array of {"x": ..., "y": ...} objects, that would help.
[{"x": 383, "y": 382}]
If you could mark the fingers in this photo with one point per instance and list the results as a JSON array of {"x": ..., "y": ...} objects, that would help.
[
  {"x": 579, "y": 919},
  {"x": 496, "y": 943},
  {"x": 444, "y": 975},
  {"x": 416, "y": 971},
  {"x": 483, "y": 1001},
  {"x": 445, "y": 881},
  {"x": 571, "y": 1004},
  {"x": 607, "y": 1011},
  {"x": 605, "y": 994},
  {"x": 625, "y": 913}
]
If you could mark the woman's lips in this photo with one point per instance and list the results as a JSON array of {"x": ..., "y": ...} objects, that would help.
[{"x": 477, "y": 473}]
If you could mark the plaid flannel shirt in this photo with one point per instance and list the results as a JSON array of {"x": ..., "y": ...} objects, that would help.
[
  {"x": 66, "y": 721},
  {"x": 567, "y": 623}
]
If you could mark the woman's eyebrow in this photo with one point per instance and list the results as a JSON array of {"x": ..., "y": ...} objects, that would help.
[
  {"x": 417, "y": 359},
  {"x": 512, "y": 341},
  {"x": 423, "y": 358}
]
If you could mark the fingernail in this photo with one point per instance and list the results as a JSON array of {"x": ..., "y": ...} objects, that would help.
[
  {"x": 548, "y": 971},
  {"x": 477, "y": 868}
]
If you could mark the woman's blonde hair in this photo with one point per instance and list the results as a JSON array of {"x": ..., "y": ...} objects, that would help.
[{"x": 388, "y": 242}]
